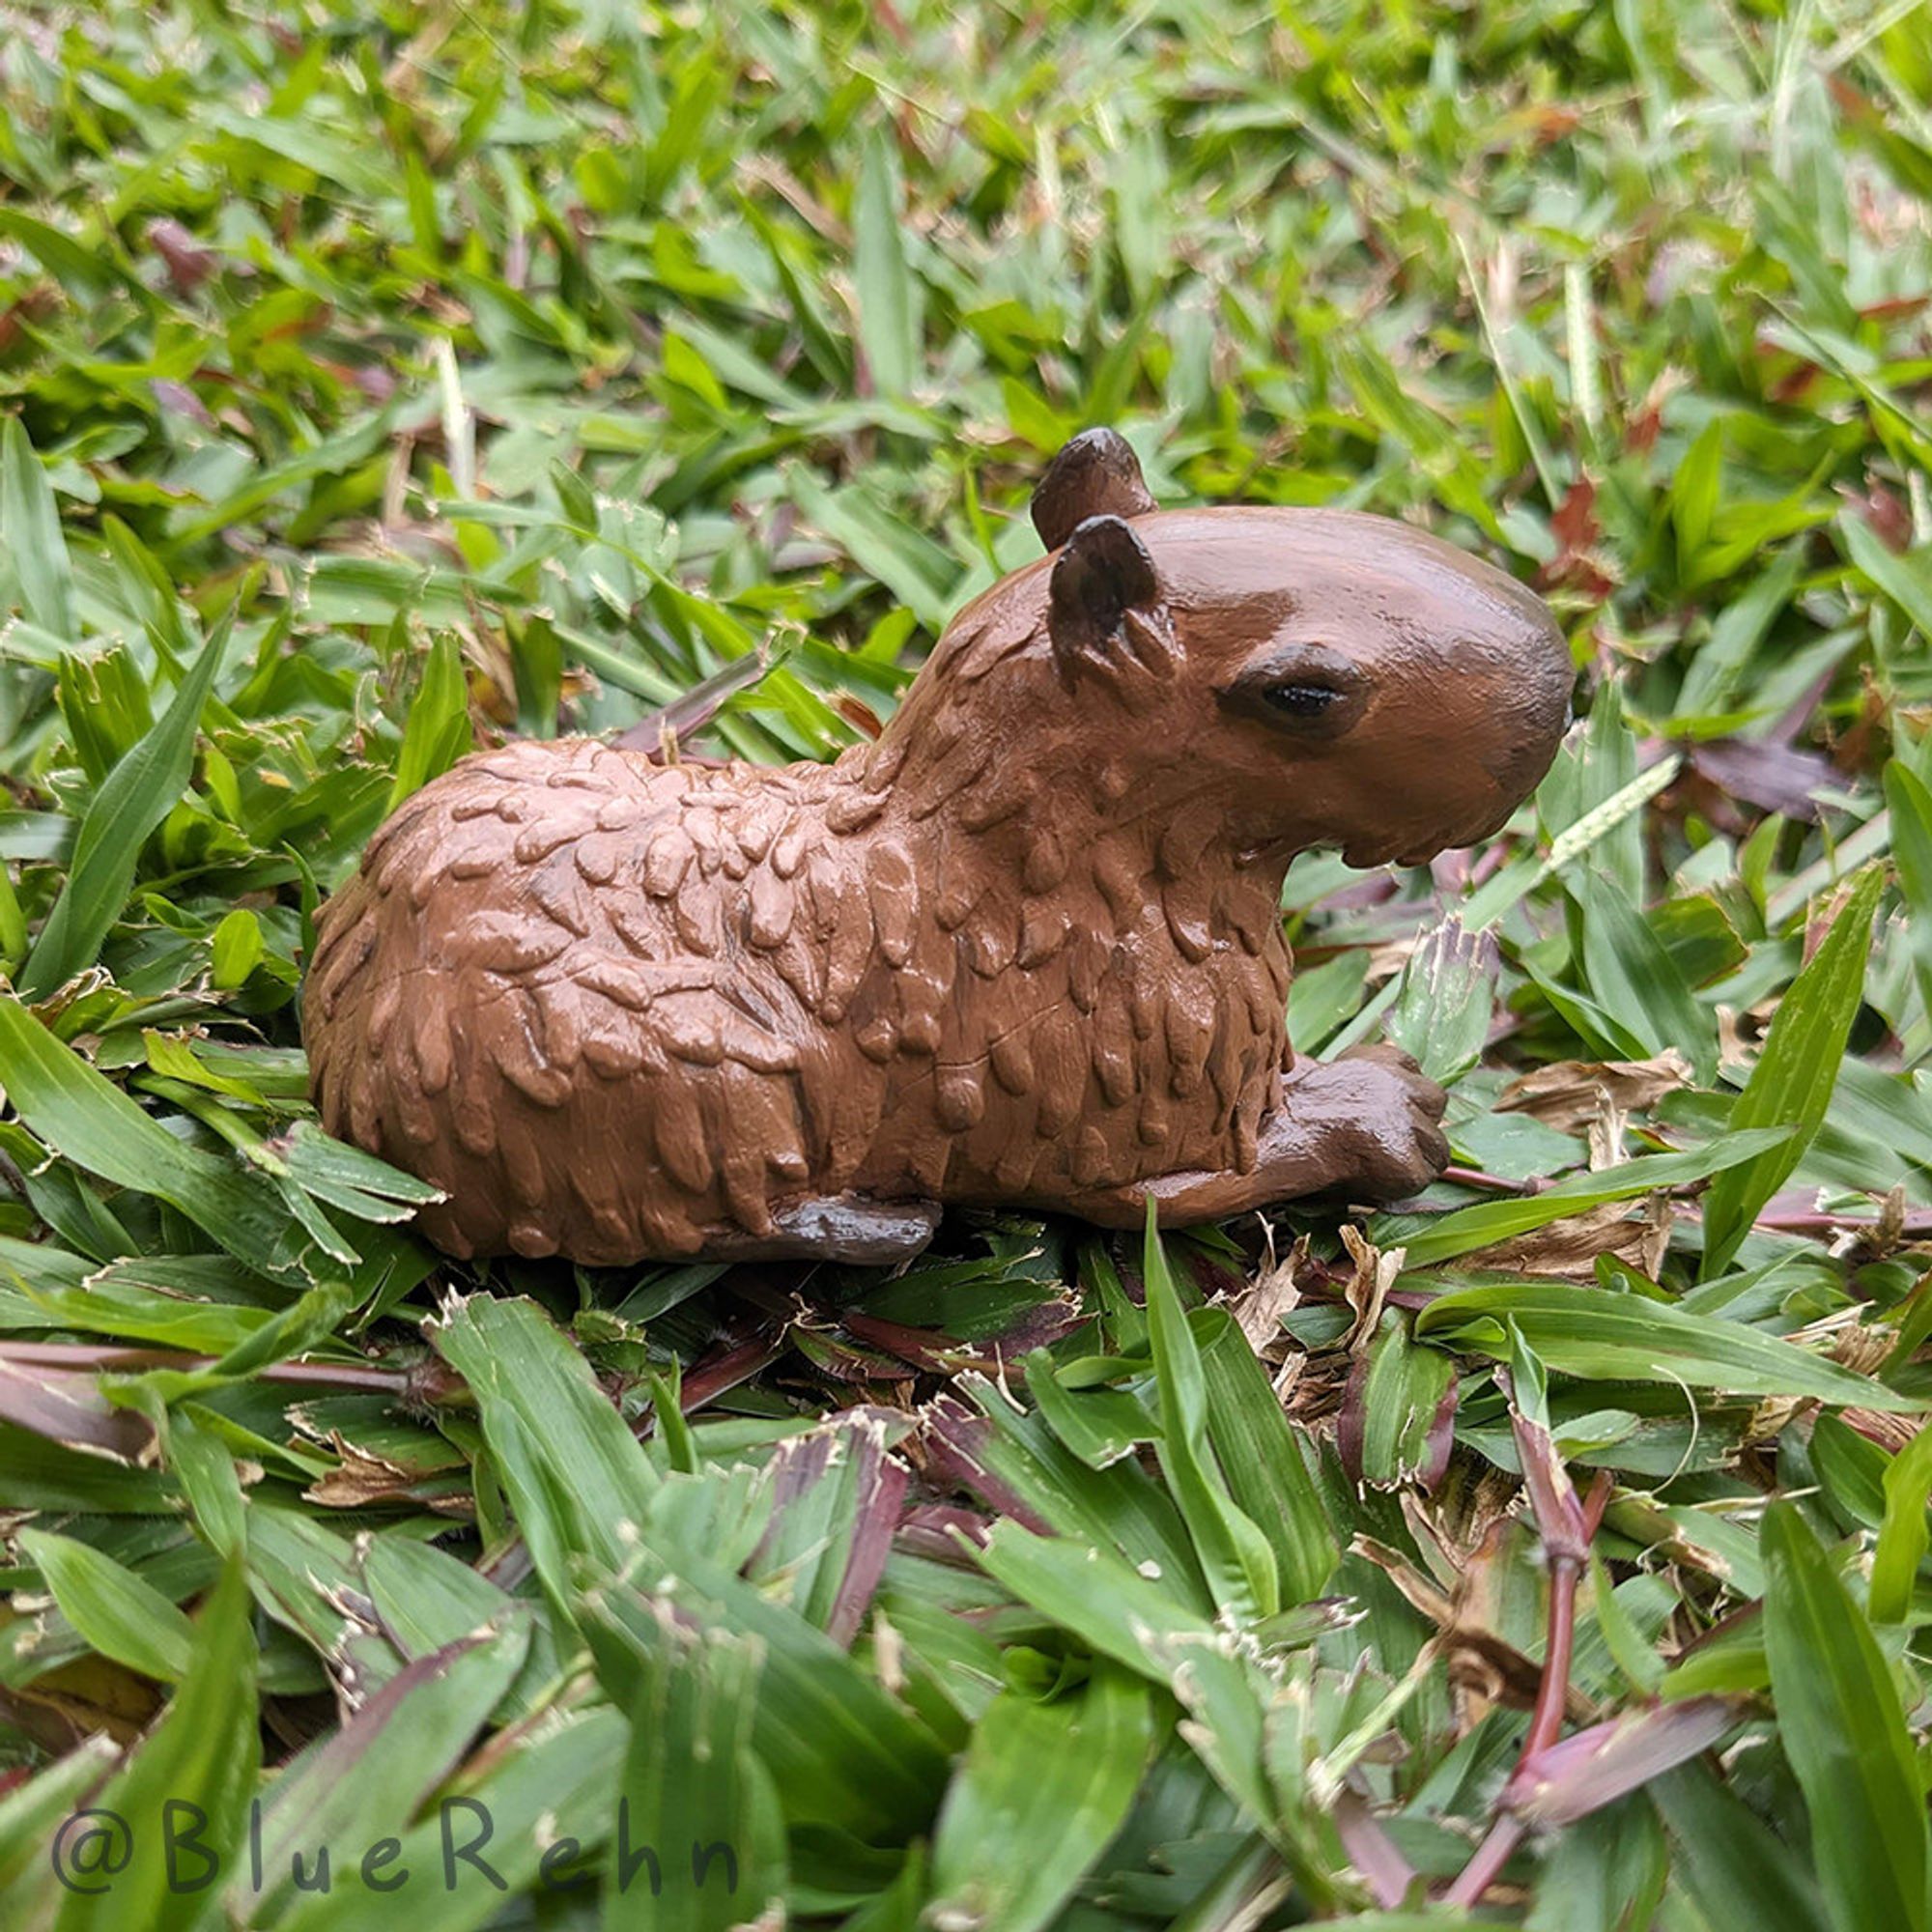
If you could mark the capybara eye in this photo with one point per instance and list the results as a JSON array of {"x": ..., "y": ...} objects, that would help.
[{"x": 1301, "y": 700}]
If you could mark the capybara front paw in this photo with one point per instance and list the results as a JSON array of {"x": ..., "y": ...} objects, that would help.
[{"x": 1394, "y": 1145}]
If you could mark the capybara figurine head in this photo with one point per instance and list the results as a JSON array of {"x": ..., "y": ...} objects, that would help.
[
  {"x": 1341, "y": 679},
  {"x": 1025, "y": 949}
]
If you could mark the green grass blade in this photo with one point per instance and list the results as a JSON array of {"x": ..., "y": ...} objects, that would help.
[
  {"x": 30, "y": 1816},
  {"x": 1235, "y": 1556},
  {"x": 1394, "y": 1425},
  {"x": 1903, "y": 1535},
  {"x": 373, "y": 1773},
  {"x": 134, "y": 798},
  {"x": 120, "y": 1614},
  {"x": 841, "y": 1749},
  {"x": 437, "y": 732},
  {"x": 1906, "y": 580},
  {"x": 699, "y": 1839},
  {"x": 1042, "y": 1790},
  {"x": 196, "y": 1769},
  {"x": 77, "y": 1110},
  {"x": 1909, "y": 799},
  {"x": 578, "y": 1479},
  {"x": 1489, "y": 1222},
  {"x": 1843, "y": 1731},
  {"x": 885, "y": 294},
  {"x": 1261, "y": 1458},
  {"x": 1113, "y": 1607},
  {"x": 1791, "y": 1085},
  {"x": 30, "y": 530},
  {"x": 1730, "y": 1862},
  {"x": 532, "y": 1819},
  {"x": 1609, "y": 1337}
]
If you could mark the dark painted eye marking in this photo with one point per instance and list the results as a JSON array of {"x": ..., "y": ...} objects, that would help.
[
  {"x": 1309, "y": 691},
  {"x": 1301, "y": 700}
]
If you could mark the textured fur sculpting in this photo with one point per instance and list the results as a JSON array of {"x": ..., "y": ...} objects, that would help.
[{"x": 1025, "y": 949}]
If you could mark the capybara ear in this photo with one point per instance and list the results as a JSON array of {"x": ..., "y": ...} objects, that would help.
[
  {"x": 1094, "y": 475},
  {"x": 1102, "y": 573}
]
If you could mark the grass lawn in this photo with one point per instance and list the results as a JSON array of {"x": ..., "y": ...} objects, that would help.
[{"x": 380, "y": 380}]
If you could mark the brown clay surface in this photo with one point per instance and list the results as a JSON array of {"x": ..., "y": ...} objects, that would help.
[{"x": 1025, "y": 949}]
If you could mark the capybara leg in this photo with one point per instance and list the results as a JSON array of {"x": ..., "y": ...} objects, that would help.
[
  {"x": 846, "y": 1228},
  {"x": 1365, "y": 1126}
]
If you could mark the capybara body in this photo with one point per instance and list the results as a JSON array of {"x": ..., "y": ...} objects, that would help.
[{"x": 1025, "y": 949}]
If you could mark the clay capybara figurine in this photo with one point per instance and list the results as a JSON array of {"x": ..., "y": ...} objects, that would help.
[{"x": 1025, "y": 949}]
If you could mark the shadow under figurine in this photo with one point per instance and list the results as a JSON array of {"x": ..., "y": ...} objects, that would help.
[{"x": 1026, "y": 949}]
